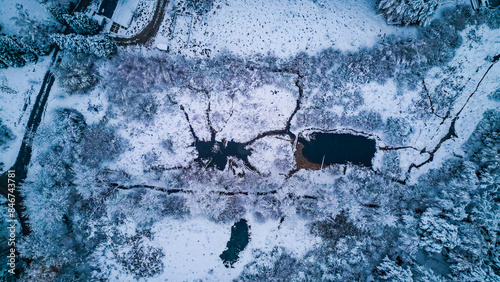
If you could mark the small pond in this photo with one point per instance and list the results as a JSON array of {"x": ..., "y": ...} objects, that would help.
[
  {"x": 240, "y": 235},
  {"x": 338, "y": 148},
  {"x": 215, "y": 153}
]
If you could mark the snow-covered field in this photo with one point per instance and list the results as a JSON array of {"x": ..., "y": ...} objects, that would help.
[
  {"x": 281, "y": 28},
  {"x": 193, "y": 246},
  {"x": 9, "y": 11},
  {"x": 264, "y": 109}
]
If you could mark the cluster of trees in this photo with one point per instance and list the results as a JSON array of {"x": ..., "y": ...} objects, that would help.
[
  {"x": 420, "y": 12},
  {"x": 64, "y": 200},
  {"x": 32, "y": 41},
  {"x": 408, "y": 12},
  {"x": 495, "y": 95},
  {"x": 84, "y": 39},
  {"x": 199, "y": 7},
  {"x": 16, "y": 51},
  {"x": 51, "y": 202},
  {"x": 133, "y": 78},
  {"x": 98, "y": 45},
  {"x": 37, "y": 39},
  {"x": 77, "y": 73},
  {"x": 397, "y": 130},
  {"x": 100, "y": 143},
  {"x": 141, "y": 260},
  {"x": 79, "y": 22}
]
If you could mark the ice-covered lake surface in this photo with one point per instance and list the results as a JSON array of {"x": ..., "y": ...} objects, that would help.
[{"x": 335, "y": 148}]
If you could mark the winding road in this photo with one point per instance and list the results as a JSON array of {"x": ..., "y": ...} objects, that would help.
[{"x": 149, "y": 31}]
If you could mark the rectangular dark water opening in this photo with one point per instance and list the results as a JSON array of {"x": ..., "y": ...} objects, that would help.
[{"x": 338, "y": 148}]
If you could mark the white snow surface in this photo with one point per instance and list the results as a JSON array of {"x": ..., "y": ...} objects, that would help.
[
  {"x": 280, "y": 27},
  {"x": 192, "y": 246},
  {"x": 8, "y": 12},
  {"x": 263, "y": 109},
  {"x": 273, "y": 156}
]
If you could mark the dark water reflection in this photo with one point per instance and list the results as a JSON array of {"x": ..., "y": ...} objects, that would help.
[
  {"x": 335, "y": 148},
  {"x": 240, "y": 235}
]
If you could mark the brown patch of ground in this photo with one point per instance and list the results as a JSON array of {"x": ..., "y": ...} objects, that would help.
[{"x": 302, "y": 162}]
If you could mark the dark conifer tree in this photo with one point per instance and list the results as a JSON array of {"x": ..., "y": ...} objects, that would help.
[{"x": 82, "y": 24}]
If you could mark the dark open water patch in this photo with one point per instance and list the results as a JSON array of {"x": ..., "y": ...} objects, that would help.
[
  {"x": 215, "y": 153},
  {"x": 240, "y": 235},
  {"x": 338, "y": 148}
]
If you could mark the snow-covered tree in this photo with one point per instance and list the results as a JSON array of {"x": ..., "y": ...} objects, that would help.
[
  {"x": 77, "y": 74},
  {"x": 15, "y": 49},
  {"x": 29, "y": 57},
  {"x": 408, "y": 12},
  {"x": 99, "y": 144},
  {"x": 495, "y": 95},
  {"x": 200, "y": 6},
  {"x": 276, "y": 265},
  {"x": 389, "y": 270},
  {"x": 12, "y": 59},
  {"x": 397, "y": 130},
  {"x": 11, "y": 51},
  {"x": 49, "y": 195},
  {"x": 81, "y": 23},
  {"x": 58, "y": 12},
  {"x": 99, "y": 45},
  {"x": 143, "y": 261},
  {"x": 436, "y": 232}
]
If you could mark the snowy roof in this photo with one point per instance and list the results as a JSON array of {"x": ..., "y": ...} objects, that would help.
[{"x": 124, "y": 12}]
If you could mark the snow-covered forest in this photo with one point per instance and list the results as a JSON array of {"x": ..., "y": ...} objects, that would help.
[{"x": 362, "y": 144}]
